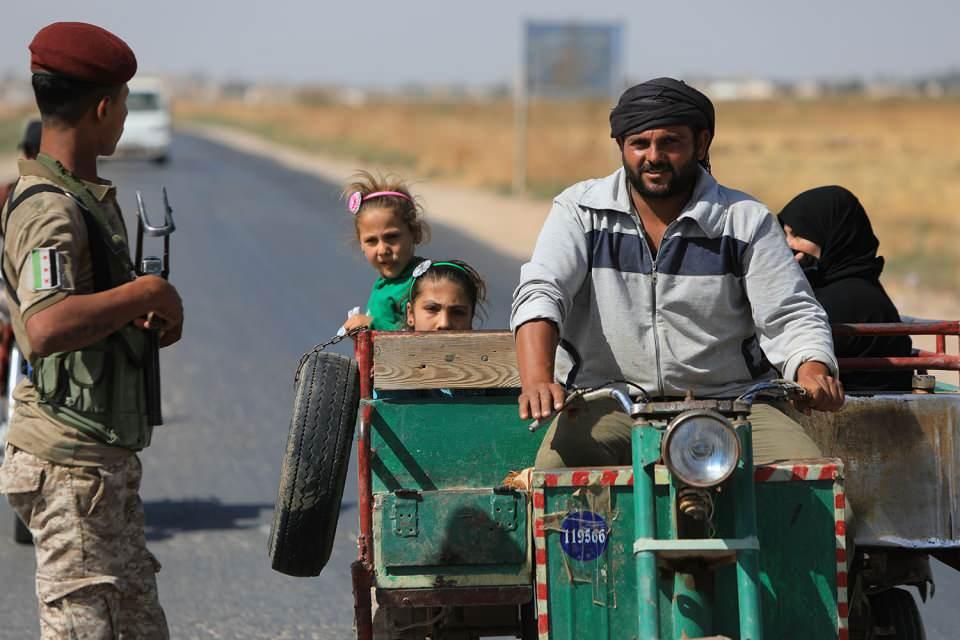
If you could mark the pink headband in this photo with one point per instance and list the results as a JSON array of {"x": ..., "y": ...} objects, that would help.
[{"x": 357, "y": 198}]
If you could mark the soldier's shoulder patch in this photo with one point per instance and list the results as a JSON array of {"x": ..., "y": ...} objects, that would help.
[{"x": 47, "y": 265}]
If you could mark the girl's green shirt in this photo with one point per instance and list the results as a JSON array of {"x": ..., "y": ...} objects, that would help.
[{"x": 388, "y": 299}]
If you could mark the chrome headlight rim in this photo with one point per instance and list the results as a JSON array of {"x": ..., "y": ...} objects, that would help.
[{"x": 676, "y": 423}]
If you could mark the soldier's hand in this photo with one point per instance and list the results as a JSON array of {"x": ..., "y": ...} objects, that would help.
[
  {"x": 168, "y": 335},
  {"x": 171, "y": 335},
  {"x": 540, "y": 400},
  {"x": 162, "y": 301},
  {"x": 824, "y": 392}
]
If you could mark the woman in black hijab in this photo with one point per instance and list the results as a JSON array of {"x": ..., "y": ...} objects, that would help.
[{"x": 834, "y": 243}]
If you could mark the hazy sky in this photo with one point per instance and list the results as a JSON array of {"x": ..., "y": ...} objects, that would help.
[{"x": 390, "y": 43}]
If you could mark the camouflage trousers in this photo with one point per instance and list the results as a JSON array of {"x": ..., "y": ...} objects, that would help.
[{"x": 95, "y": 578}]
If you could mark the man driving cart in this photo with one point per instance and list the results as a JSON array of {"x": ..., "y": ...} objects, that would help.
[{"x": 659, "y": 277}]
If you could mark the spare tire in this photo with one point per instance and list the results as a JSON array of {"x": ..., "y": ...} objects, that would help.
[{"x": 326, "y": 399}]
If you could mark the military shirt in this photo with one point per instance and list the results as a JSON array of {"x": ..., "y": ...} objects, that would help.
[{"x": 51, "y": 221}]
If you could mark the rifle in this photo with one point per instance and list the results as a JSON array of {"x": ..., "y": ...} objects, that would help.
[{"x": 153, "y": 265}]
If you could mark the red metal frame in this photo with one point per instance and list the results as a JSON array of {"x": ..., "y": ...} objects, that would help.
[
  {"x": 782, "y": 471},
  {"x": 939, "y": 359},
  {"x": 362, "y": 569}
]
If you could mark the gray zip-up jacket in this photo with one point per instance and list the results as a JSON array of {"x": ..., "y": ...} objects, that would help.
[{"x": 721, "y": 306}]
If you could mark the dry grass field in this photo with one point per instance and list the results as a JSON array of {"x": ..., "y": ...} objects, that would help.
[{"x": 899, "y": 155}]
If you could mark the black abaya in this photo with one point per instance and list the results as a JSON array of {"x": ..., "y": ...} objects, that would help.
[{"x": 846, "y": 279}]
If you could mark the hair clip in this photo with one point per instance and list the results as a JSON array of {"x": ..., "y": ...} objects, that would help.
[
  {"x": 354, "y": 202},
  {"x": 421, "y": 268},
  {"x": 424, "y": 266},
  {"x": 356, "y": 198}
]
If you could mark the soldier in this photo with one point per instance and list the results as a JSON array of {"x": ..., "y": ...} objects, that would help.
[
  {"x": 29, "y": 146},
  {"x": 79, "y": 314}
]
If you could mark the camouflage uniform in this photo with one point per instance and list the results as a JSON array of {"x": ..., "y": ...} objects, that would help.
[{"x": 95, "y": 577}]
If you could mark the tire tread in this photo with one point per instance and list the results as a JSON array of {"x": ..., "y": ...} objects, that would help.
[
  {"x": 897, "y": 609},
  {"x": 315, "y": 463}
]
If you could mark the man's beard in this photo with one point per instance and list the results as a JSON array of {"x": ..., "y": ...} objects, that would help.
[{"x": 681, "y": 182}]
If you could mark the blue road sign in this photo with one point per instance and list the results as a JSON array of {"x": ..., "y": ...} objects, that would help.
[{"x": 573, "y": 59}]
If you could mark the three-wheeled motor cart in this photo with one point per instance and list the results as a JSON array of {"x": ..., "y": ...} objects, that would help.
[{"x": 460, "y": 539}]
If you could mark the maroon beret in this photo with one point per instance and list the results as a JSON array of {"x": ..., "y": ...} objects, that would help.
[{"x": 83, "y": 52}]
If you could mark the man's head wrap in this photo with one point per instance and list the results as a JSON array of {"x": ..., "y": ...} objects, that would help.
[{"x": 658, "y": 103}]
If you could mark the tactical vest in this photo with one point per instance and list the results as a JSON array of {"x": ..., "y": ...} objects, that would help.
[{"x": 98, "y": 390}]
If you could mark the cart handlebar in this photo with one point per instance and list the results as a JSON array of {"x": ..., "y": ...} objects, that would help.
[{"x": 778, "y": 389}]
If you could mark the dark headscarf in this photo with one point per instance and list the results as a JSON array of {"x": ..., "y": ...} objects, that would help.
[
  {"x": 846, "y": 280},
  {"x": 661, "y": 102},
  {"x": 833, "y": 218}
]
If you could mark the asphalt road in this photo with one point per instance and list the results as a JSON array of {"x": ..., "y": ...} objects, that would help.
[{"x": 267, "y": 267}]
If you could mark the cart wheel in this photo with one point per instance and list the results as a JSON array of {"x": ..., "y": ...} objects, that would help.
[
  {"x": 528, "y": 621},
  {"x": 21, "y": 535},
  {"x": 381, "y": 624},
  {"x": 326, "y": 397},
  {"x": 411, "y": 622},
  {"x": 897, "y": 615}
]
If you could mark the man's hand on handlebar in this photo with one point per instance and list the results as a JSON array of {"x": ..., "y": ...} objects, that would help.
[
  {"x": 824, "y": 392},
  {"x": 540, "y": 396},
  {"x": 540, "y": 400}
]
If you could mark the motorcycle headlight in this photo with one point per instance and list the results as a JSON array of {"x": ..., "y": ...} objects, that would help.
[{"x": 701, "y": 448}]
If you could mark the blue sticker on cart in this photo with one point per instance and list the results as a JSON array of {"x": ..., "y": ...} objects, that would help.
[{"x": 584, "y": 535}]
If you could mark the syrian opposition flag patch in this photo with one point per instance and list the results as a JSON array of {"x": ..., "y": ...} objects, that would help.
[{"x": 47, "y": 267}]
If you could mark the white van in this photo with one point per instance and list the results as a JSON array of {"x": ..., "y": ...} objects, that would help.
[{"x": 147, "y": 132}]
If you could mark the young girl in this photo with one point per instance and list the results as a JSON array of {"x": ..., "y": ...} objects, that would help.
[
  {"x": 445, "y": 295},
  {"x": 389, "y": 225}
]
